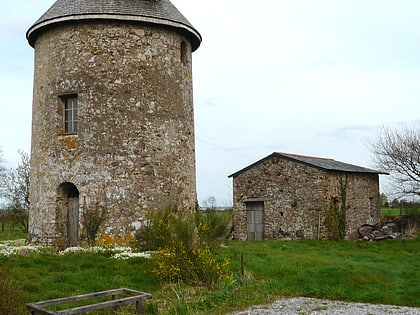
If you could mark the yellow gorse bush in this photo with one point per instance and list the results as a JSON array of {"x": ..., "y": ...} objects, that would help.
[
  {"x": 183, "y": 252},
  {"x": 197, "y": 265}
]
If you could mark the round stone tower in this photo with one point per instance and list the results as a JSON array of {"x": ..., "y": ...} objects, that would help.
[{"x": 112, "y": 121}]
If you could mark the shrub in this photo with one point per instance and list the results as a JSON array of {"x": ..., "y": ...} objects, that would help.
[
  {"x": 214, "y": 226},
  {"x": 183, "y": 245},
  {"x": 93, "y": 217},
  {"x": 210, "y": 226},
  {"x": 195, "y": 265},
  {"x": 156, "y": 232}
]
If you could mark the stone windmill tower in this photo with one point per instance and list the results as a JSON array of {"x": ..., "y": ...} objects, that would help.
[{"x": 112, "y": 122}]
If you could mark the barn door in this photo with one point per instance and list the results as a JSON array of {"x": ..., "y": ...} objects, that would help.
[{"x": 255, "y": 220}]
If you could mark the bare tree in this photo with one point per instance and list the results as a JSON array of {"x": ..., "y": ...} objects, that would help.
[
  {"x": 14, "y": 190},
  {"x": 2, "y": 168},
  {"x": 2, "y": 176},
  {"x": 211, "y": 201},
  {"x": 398, "y": 152}
]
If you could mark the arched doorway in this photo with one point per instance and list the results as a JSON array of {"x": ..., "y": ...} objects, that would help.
[{"x": 69, "y": 205}]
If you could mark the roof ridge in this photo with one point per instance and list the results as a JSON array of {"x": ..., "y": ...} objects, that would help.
[
  {"x": 325, "y": 164},
  {"x": 305, "y": 156}
]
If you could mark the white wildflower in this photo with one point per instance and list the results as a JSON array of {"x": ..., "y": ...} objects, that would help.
[
  {"x": 76, "y": 250},
  {"x": 119, "y": 252},
  {"x": 17, "y": 247},
  {"x": 130, "y": 254}
]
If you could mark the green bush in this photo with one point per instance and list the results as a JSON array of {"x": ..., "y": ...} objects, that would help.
[
  {"x": 183, "y": 243},
  {"x": 214, "y": 226},
  {"x": 195, "y": 265},
  {"x": 155, "y": 232},
  {"x": 211, "y": 227}
]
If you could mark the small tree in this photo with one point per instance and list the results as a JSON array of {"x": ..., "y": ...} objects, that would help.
[
  {"x": 14, "y": 186},
  {"x": 2, "y": 168},
  {"x": 398, "y": 152},
  {"x": 210, "y": 203}
]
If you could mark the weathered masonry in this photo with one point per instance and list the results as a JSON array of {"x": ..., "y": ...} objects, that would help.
[
  {"x": 289, "y": 196},
  {"x": 113, "y": 121}
]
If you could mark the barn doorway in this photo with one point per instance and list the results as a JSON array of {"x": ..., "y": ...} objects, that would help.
[
  {"x": 69, "y": 205},
  {"x": 255, "y": 220}
]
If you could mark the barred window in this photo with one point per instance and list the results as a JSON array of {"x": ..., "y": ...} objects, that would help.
[{"x": 70, "y": 114}]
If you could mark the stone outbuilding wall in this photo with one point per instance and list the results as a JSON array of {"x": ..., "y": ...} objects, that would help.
[
  {"x": 134, "y": 145},
  {"x": 293, "y": 199}
]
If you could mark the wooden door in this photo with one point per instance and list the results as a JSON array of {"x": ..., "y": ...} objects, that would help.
[
  {"x": 73, "y": 221},
  {"x": 255, "y": 220}
]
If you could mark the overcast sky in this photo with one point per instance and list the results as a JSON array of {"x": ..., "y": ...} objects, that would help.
[{"x": 312, "y": 77}]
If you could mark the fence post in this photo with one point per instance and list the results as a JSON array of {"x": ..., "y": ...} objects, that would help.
[{"x": 138, "y": 307}]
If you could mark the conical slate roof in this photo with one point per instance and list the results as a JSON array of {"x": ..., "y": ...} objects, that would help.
[{"x": 161, "y": 12}]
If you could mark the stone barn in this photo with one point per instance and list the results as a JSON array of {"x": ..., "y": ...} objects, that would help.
[
  {"x": 112, "y": 121},
  {"x": 289, "y": 196}
]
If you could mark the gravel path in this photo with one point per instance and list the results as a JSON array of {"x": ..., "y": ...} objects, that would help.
[{"x": 309, "y": 306}]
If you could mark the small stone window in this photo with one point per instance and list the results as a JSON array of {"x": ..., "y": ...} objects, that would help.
[
  {"x": 70, "y": 117},
  {"x": 184, "y": 53}
]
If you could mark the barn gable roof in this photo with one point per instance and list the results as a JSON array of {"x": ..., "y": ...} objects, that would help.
[
  {"x": 325, "y": 164},
  {"x": 161, "y": 12}
]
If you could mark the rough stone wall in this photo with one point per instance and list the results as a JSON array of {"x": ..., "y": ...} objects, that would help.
[
  {"x": 135, "y": 144},
  {"x": 297, "y": 198}
]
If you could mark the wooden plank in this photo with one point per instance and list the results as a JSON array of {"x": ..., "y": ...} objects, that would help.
[
  {"x": 39, "y": 308},
  {"x": 102, "y": 305},
  {"x": 81, "y": 297},
  {"x": 35, "y": 310},
  {"x": 250, "y": 225}
]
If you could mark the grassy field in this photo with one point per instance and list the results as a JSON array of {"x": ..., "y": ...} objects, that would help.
[
  {"x": 10, "y": 232},
  {"x": 385, "y": 272},
  {"x": 398, "y": 211}
]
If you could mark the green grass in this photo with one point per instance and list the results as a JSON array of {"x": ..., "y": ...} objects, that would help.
[
  {"x": 391, "y": 211},
  {"x": 10, "y": 232},
  {"x": 397, "y": 211},
  {"x": 385, "y": 272},
  {"x": 349, "y": 271}
]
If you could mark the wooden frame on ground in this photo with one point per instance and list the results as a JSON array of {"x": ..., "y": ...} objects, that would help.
[{"x": 41, "y": 308}]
